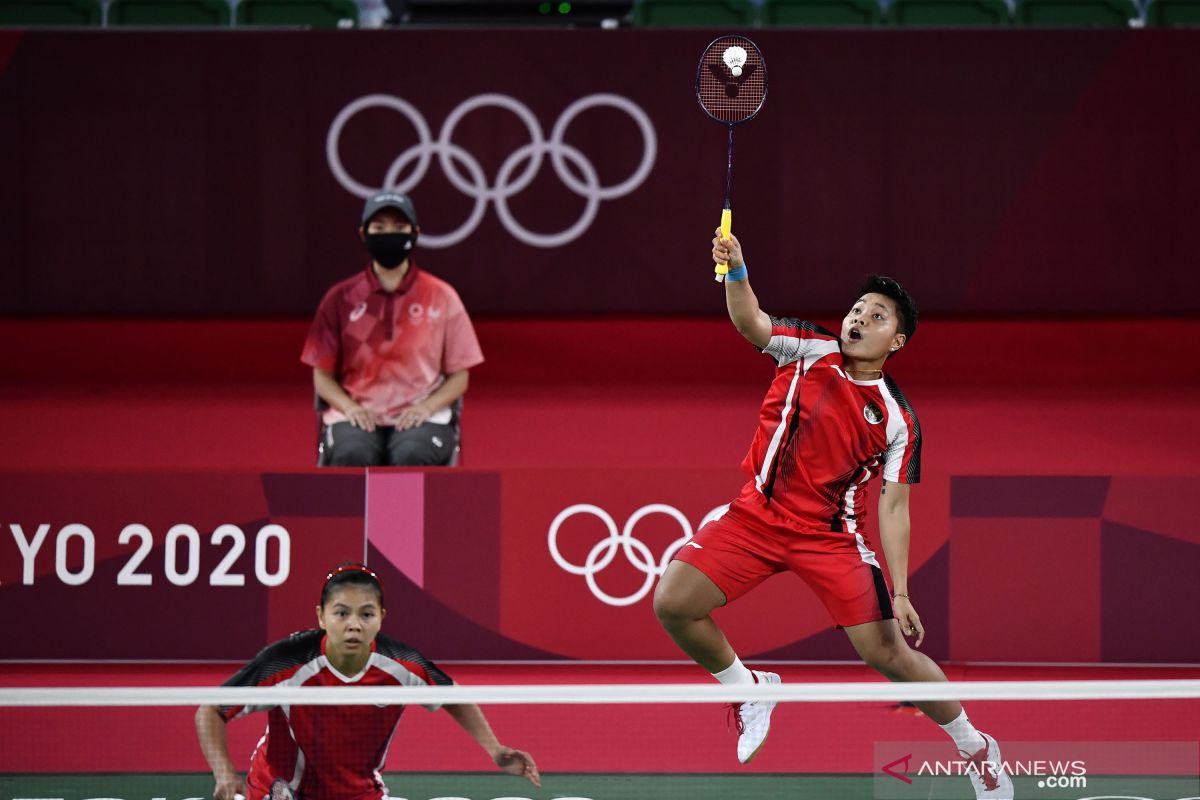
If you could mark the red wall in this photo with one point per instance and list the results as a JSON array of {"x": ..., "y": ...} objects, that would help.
[{"x": 1057, "y": 471}]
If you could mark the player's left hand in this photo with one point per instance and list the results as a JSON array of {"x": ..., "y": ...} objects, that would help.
[
  {"x": 413, "y": 416},
  {"x": 517, "y": 762},
  {"x": 908, "y": 619},
  {"x": 727, "y": 251}
]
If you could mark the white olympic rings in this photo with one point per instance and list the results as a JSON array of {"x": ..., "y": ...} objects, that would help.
[
  {"x": 475, "y": 183},
  {"x": 636, "y": 551}
]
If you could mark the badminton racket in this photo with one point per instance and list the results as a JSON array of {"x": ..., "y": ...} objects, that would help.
[{"x": 731, "y": 85}]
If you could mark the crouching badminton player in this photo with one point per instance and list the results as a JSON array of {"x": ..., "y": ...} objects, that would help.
[{"x": 335, "y": 752}]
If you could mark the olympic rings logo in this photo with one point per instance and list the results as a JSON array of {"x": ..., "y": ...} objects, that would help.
[
  {"x": 636, "y": 551},
  {"x": 510, "y": 181}
]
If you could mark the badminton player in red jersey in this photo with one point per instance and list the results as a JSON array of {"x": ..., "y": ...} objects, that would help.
[
  {"x": 335, "y": 752},
  {"x": 831, "y": 427}
]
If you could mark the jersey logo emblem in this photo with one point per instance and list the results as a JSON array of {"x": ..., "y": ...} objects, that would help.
[
  {"x": 872, "y": 413},
  {"x": 357, "y": 312}
]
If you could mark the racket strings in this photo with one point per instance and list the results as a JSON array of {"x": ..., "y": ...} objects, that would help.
[{"x": 723, "y": 96}]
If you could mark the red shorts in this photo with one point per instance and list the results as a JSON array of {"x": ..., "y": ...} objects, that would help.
[{"x": 750, "y": 544}]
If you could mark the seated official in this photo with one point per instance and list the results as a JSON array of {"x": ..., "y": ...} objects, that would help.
[{"x": 391, "y": 349}]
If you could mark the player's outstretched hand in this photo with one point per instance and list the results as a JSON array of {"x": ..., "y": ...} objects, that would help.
[
  {"x": 228, "y": 787},
  {"x": 910, "y": 622},
  {"x": 517, "y": 762},
  {"x": 727, "y": 251}
]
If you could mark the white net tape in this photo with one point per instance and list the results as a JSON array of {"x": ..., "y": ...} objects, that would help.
[{"x": 605, "y": 693}]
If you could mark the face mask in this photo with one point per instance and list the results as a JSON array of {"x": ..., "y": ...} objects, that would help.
[{"x": 390, "y": 249}]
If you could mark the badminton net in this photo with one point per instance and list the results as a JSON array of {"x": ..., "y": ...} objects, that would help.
[{"x": 1059, "y": 740}]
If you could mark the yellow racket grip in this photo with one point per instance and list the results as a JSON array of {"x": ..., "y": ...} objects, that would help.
[{"x": 726, "y": 228}]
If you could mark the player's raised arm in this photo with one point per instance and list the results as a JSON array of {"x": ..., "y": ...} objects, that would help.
[
  {"x": 210, "y": 730},
  {"x": 750, "y": 320}
]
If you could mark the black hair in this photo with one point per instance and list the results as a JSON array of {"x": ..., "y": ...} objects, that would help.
[
  {"x": 351, "y": 573},
  {"x": 905, "y": 307}
]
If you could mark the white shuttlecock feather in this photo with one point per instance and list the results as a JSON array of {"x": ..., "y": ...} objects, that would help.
[{"x": 734, "y": 58}]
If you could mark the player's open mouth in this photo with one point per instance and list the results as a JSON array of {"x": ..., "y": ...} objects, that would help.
[{"x": 855, "y": 335}]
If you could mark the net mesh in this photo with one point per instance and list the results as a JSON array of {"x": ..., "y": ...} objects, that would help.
[
  {"x": 723, "y": 96},
  {"x": 1059, "y": 740}
]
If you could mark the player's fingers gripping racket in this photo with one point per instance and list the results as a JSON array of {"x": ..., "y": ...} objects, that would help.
[{"x": 731, "y": 85}]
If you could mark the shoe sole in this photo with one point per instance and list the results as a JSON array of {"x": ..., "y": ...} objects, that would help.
[{"x": 757, "y": 750}]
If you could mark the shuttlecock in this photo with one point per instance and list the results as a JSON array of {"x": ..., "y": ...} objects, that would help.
[{"x": 734, "y": 58}]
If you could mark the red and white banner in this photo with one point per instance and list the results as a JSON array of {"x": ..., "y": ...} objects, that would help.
[{"x": 560, "y": 564}]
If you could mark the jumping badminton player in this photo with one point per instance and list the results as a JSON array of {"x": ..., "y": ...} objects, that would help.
[
  {"x": 335, "y": 752},
  {"x": 831, "y": 423}
]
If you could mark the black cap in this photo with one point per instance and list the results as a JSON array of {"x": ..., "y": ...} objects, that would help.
[{"x": 389, "y": 199}]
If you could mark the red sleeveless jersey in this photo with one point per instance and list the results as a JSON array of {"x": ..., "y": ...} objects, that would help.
[
  {"x": 822, "y": 436},
  {"x": 328, "y": 752}
]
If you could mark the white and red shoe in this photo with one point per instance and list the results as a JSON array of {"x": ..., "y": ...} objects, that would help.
[
  {"x": 985, "y": 769},
  {"x": 753, "y": 720}
]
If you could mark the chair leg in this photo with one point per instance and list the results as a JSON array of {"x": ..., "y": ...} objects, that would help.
[{"x": 323, "y": 449}]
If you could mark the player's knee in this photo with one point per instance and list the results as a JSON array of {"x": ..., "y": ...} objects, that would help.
[
  {"x": 887, "y": 658},
  {"x": 664, "y": 609},
  {"x": 671, "y": 605}
]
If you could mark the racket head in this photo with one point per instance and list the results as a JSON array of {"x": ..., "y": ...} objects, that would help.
[{"x": 724, "y": 97}]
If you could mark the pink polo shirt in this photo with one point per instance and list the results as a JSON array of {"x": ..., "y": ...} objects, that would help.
[{"x": 391, "y": 349}]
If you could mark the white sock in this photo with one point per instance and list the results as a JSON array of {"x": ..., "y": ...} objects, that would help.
[
  {"x": 735, "y": 673},
  {"x": 966, "y": 738}
]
